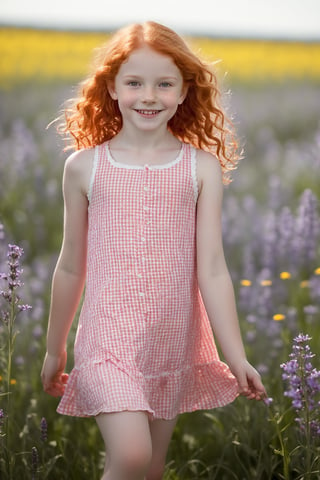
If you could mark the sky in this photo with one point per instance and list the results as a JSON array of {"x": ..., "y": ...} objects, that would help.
[{"x": 281, "y": 19}]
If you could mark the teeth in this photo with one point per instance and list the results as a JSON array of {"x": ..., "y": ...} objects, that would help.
[{"x": 148, "y": 112}]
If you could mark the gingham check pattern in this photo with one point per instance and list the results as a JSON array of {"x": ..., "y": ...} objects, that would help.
[{"x": 144, "y": 341}]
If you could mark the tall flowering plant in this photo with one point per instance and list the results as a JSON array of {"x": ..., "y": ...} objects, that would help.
[
  {"x": 303, "y": 388},
  {"x": 10, "y": 307}
]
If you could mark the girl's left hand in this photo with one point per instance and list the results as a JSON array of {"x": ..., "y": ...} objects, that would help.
[
  {"x": 249, "y": 381},
  {"x": 52, "y": 375}
]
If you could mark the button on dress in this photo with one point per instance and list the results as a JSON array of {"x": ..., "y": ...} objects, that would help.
[{"x": 144, "y": 341}]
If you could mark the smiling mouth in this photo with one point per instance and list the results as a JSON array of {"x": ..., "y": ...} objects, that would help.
[{"x": 148, "y": 113}]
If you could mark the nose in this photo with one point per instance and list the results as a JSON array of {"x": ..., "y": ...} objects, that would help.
[{"x": 148, "y": 94}]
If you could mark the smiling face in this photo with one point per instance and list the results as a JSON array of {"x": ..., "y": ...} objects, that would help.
[{"x": 149, "y": 88}]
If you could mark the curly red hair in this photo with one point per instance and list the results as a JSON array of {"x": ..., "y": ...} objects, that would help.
[{"x": 94, "y": 117}]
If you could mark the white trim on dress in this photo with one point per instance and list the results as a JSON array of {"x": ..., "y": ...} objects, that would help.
[
  {"x": 142, "y": 167},
  {"x": 194, "y": 173},
  {"x": 93, "y": 172}
]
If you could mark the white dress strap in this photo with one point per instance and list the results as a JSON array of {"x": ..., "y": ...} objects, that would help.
[
  {"x": 194, "y": 173},
  {"x": 93, "y": 171}
]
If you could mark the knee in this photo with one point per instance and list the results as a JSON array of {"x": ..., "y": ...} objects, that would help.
[
  {"x": 156, "y": 470},
  {"x": 134, "y": 460}
]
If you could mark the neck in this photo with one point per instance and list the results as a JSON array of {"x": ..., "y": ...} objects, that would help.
[
  {"x": 144, "y": 141},
  {"x": 152, "y": 151}
]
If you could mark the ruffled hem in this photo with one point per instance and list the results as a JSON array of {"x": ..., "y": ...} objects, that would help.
[{"x": 105, "y": 386}]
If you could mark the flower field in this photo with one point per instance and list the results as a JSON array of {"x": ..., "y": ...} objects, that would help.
[
  {"x": 44, "y": 55},
  {"x": 271, "y": 224}
]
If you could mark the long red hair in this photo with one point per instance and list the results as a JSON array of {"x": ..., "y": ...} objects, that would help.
[{"x": 94, "y": 116}]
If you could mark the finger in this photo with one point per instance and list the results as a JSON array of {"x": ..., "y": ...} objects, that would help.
[
  {"x": 244, "y": 390},
  {"x": 243, "y": 386},
  {"x": 242, "y": 382},
  {"x": 258, "y": 391},
  {"x": 248, "y": 389},
  {"x": 258, "y": 387},
  {"x": 55, "y": 390}
]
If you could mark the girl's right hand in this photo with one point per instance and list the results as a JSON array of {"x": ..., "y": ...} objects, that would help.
[
  {"x": 52, "y": 374},
  {"x": 249, "y": 381}
]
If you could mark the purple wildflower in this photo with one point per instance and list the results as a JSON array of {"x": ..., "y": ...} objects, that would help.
[
  {"x": 2, "y": 419},
  {"x": 12, "y": 278},
  {"x": 268, "y": 401},
  {"x": 269, "y": 242},
  {"x": 306, "y": 235},
  {"x": 44, "y": 429},
  {"x": 8, "y": 316},
  {"x": 315, "y": 287},
  {"x": 303, "y": 385},
  {"x": 311, "y": 309},
  {"x": 2, "y": 415},
  {"x": 34, "y": 462},
  {"x": 24, "y": 308},
  {"x": 285, "y": 235}
]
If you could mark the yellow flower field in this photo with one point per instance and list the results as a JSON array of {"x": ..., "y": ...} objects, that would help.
[{"x": 28, "y": 55}]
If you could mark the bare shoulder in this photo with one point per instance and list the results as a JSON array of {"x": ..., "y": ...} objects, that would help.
[
  {"x": 78, "y": 168},
  {"x": 208, "y": 170}
]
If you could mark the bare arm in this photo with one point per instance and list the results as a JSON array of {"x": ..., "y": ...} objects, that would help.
[
  {"x": 214, "y": 278},
  {"x": 69, "y": 275}
]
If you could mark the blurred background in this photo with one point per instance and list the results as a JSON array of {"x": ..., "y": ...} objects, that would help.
[
  {"x": 286, "y": 19},
  {"x": 268, "y": 63}
]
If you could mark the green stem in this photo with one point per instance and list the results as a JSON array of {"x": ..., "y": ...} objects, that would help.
[
  {"x": 308, "y": 448},
  {"x": 284, "y": 453},
  {"x": 10, "y": 346},
  {"x": 307, "y": 419},
  {"x": 283, "y": 450},
  {"x": 307, "y": 430}
]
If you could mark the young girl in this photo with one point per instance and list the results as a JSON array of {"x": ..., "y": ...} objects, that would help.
[{"x": 143, "y": 196}]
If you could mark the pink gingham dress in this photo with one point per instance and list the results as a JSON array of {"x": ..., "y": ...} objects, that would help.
[{"x": 144, "y": 341}]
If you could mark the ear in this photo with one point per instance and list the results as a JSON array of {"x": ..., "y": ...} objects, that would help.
[
  {"x": 183, "y": 94},
  {"x": 112, "y": 91}
]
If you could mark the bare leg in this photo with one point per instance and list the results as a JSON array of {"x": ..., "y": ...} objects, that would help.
[
  {"x": 128, "y": 445},
  {"x": 161, "y": 433}
]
